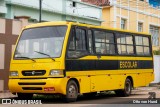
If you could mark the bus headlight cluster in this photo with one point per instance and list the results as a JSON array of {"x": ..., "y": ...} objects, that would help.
[
  {"x": 56, "y": 72},
  {"x": 13, "y": 73}
]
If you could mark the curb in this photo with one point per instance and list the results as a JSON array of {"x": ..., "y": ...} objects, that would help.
[
  {"x": 154, "y": 85},
  {"x": 5, "y": 91},
  {"x": 6, "y": 94},
  {"x": 147, "y": 88}
]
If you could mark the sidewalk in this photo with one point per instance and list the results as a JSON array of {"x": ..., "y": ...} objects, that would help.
[
  {"x": 155, "y": 85},
  {"x": 147, "y": 88},
  {"x": 6, "y": 95}
]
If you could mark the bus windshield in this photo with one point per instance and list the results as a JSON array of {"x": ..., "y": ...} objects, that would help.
[{"x": 41, "y": 42}]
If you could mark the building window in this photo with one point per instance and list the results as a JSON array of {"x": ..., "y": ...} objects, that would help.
[
  {"x": 140, "y": 27},
  {"x": 123, "y": 24},
  {"x": 74, "y": 4},
  {"x": 154, "y": 31}
]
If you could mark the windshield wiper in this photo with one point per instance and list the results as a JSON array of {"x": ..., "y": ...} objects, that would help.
[
  {"x": 26, "y": 58},
  {"x": 45, "y": 54}
]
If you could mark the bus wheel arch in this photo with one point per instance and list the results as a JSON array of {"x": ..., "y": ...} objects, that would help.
[
  {"x": 126, "y": 91},
  {"x": 72, "y": 90},
  {"x": 74, "y": 79},
  {"x": 131, "y": 79}
]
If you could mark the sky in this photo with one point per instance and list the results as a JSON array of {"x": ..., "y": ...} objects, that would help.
[{"x": 155, "y": 3}]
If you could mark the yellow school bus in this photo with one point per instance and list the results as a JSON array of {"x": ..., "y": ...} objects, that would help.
[{"x": 71, "y": 58}]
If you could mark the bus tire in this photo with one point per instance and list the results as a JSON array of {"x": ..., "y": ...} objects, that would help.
[
  {"x": 127, "y": 89},
  {"x": 71, "y": 91},
  {"x": 22, "y": 96}
]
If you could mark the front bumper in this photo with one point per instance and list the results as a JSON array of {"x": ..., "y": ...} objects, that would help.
[{"x": 46, "y": 85}]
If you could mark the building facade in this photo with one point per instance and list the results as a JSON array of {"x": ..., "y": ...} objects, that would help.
[
  {"x": 134, "y": 15},
  {"x": 52, "y": 10},
  {"x": 9, "y": 31},
  {"x": 15, "y": 14}
]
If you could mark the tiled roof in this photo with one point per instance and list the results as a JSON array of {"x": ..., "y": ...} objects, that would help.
[{"x": 98, "y": 2}]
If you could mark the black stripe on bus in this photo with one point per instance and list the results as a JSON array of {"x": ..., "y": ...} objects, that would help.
[{"x": 83, "y": 65}]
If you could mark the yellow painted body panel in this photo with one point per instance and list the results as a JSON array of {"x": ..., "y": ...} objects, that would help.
[
  {"x": 111, "y": 79},
  {"x": 58, "y": 84},
  {"x": 89, "y": 81}
]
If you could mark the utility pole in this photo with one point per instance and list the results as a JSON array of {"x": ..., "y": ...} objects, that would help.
[{"x": 40, "y": 10}]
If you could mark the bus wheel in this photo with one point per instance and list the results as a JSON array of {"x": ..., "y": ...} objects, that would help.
[
  {"x": 71, "y": 91},
  {"x": 127, "y": 89},
  {"x": 25, "y": 96}
]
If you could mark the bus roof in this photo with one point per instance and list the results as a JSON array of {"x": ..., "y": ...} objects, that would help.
[
  {"x": 81, "y": 24},
  {"x": 112, "y": 29},
  {"x": 46, "y": 24}
]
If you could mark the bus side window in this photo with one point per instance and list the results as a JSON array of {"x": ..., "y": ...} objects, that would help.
[
  {"x": 71, "y": 48},
  {"x": 125, "y": 44},
  {"x": 72, "y": 40},
  {"x": 90, "y": 38},
  {"x": 77, "y": 43},
  {"x": 104, "y": 42},
  {"x": 142, "y": 46}
]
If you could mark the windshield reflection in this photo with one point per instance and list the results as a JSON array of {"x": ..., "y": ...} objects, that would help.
[{"x": 46, "y": 40}]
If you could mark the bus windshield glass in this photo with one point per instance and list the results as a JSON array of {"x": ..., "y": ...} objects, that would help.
[{"x": 41, "y": 42}]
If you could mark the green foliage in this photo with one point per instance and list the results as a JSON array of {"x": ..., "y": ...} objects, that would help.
[{"x": 156, "y": 52}]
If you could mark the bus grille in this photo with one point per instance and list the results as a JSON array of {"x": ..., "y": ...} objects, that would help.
[
  {"x": 32, "y": 88},
  {"x": 33, "y": 73},
  {"x": 39, "y": 83}
]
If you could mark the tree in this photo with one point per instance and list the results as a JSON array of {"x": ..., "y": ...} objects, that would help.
[{"x": 156, "y": 52}]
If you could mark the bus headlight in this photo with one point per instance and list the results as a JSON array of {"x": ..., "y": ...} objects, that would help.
[
  {"x": 56, "y": 72},
  {"x": 13, "y": 73}
]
